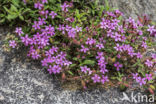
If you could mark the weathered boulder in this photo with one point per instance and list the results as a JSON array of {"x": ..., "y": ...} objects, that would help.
[{"x": 135, "y": 8}]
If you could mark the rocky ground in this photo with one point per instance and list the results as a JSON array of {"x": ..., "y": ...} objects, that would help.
[{"x": 135, "y": 8}]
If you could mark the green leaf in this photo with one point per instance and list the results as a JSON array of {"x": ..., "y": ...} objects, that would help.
[
  {"x": 26, "y": 10},
  {"x": 21, "y": 17},
  {"x": 88, "y": 62},
  {"x": 13, "y": 8},
  {"x": 107, "y": 5},
  {"x": 72, "y": 65},
  {"x": 10, "y": 17},
  {"x": 6, "y": 9},
  {"x": 2, "y": 20},
  {"x": 71, "y": 73},
  {"x": 15, "y": 2}
]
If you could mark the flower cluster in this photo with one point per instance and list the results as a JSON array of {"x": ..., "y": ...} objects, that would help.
[
  {"x": 94, "y": 52},
  {"x": 142, "y": 81}
]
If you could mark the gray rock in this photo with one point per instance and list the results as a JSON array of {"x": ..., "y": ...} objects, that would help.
[{"x": 135, "y": 8}]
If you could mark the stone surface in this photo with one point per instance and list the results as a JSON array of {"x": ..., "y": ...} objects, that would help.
[{"x": 135, "y": 8}]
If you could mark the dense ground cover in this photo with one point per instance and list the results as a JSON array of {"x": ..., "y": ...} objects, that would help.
[{"x": 90, "y": 43}]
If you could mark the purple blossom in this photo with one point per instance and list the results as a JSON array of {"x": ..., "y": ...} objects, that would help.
[
  {"x": 85, "y": 69},
  {"x": 100, "y": 55},
  {"x": 19, "y": 31},
  {"x": 56, "y": 69},
  {"x": 90, "y": 41},
  {"x": 25, "y": 40},
  {"x": 72, "y": 33},
  {"x": 140, "y": 32},
  {"x": 70, "y": 19},
  {"x": 67, "y": 63},
  {"x": 51, "y": 51},
  {"x": 38, "y": 5},
  {"x": 44, "y": 13},
  {"x": 78, "y": 29},
  {"x": 130, "y": 20},
  {"x": 103, "y": 24},
  {"x": 44, "y": 1},
  {"x": 100, "y": 46},
  {"x": 111, "y": 14},
  {"x": 149, "y": 77},
  {"x": 138, "y": 55},
  {"x": 120, "y": 29},
  {"x": 61, "y": 28},
  {"x": 103, "y": 69},
  {"x": 118, "y": 47},
  {"x": 149, "y": 63},
  {"x": 53, "y": 14},
  {"x": 104, "y": 79},
  {"x": 25, "y": 2},
  {"x": 118, "y": 56},
  {"x": 96, "y": 78},
  {"x": 118, "y": 12},
  {"x": 44, "y": 62},
  {"x": 141, "y": 81},
  {"x": 118, "y": 66},
  {"x": 41, "y": 21},
  {"x": 101, "y": 40},
  {"x": 64, "y": 7},
  {"x": 50, "y": 30},
  {"x": 101, "y": 62},
  {"x": 36, "y": 25},
  {"x": 117, "y": 37},
  {"x": 12, "y": 43},
  {"x": 151, "y": 29},
  {"x": 34, "y": 54},
  {"x": 83, "y": 49},
  {"x": 154, "y": 56},
  {"x": 135, "y": 76}
]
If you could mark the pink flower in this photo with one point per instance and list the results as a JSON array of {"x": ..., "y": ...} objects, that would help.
[
  {"x": 149, "y": 63},
  {"x": 36, "y": 25},
  {"x": 151, "y": 29},
  {"x": 64, "y": 7},
  {"x": 118, "y": 65},
  {"x": 19, "y": 31},
  {"x": 104, "y": 79},
  {"x": 53, "y": 14},
  {"x": 38, "y": 5},
  {"x": 85, "y": 69},
  {"x": 83, "y": 49},
  {"x": 154, "y": 56},
  {"x": 135, "y": 76},
  {"x": 149, "y": 77},
  {"x": 141, "y": 81},
  {"x": 25, "y": 40},
  {"x": 144, "y": 45},
  {"x": 44, "y": 1},
  {"x": 90, "y": 41},
  {"x": 100, "y": 46},
  {"x": 96, "y": 78},
  {"x": 78, "y": 29},
  {"x": 139, "y": 55},
  {"x": 12, "y": 43}
]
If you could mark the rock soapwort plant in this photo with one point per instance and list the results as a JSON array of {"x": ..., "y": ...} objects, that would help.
[{"x": 93, "y": 47}]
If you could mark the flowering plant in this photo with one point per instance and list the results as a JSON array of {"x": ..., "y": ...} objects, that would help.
[{"x": 100, "y": 49}]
